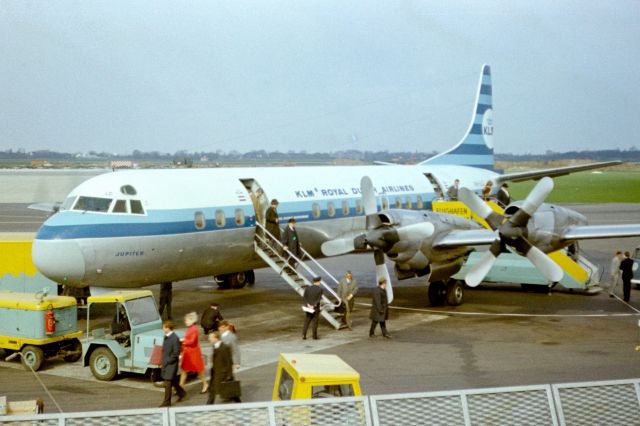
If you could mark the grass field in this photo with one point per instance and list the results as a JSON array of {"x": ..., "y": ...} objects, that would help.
[{"x": 589, "y": 187}]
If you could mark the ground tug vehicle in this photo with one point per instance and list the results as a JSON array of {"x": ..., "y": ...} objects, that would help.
[
  {"x": 127, "y": 342},
  {"x": 39, "y": 326}
]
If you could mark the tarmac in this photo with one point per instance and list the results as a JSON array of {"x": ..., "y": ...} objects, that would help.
[{"x": 500, "y": 336}]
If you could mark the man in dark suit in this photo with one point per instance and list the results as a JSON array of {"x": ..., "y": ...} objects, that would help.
[
  {"x": 222, "y": 366},
  {"x": 272, "y": 220},
  {"x": 626, "y": 266},
  {"x": 170, "y": 358},
  {"x": 312, "y": 296},
  {"x": 379, "y": 309},
  {"x": 291, "y": 242}
]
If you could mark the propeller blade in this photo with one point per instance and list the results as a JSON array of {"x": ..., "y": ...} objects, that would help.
[
  {"x": 479, "y": 207},
  {"x": 416, "y": 231},
  {"x": 480, "y": 270},
  {"x": 383, "y": 272},
  {"x": 368, "y": 196},
  {"x": 337, "y": 247},
  {"x": 538, "y": 194},
  {"x": 545, "y": 265}
]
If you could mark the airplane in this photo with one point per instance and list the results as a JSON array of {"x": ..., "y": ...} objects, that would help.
[{"x": 140, "y": 227}]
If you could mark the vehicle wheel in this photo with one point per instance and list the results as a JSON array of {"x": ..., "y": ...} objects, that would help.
[
  {"x": 251, "y": 277},
  {"x": 76, "y": 348},
  {"x": 238, "y": 280},
  {"x": 437, "y": 293},
  {"x": 32, "y": 356},
  {"x": 223, "y": 282},
  {"x": 455, "y": 292},
  {"x": 103, "y": 364}
]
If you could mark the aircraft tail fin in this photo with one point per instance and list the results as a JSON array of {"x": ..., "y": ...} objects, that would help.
[{"x": 476, "y": 147}]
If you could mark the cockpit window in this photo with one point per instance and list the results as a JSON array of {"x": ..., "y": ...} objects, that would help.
[
  {"x": 136, "y": 207},
  {"x": 92, "y": 204},
  {"x": 128, "y": 190},
  {"x": 120, "y": 206},
  {"x": 68, "y": 203}
]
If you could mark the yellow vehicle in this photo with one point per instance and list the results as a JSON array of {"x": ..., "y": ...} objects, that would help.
[
  {"x": 39, "y": 327},
  {"x": 308, "y": 376}
]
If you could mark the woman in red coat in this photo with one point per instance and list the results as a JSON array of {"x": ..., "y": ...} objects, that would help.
[{"x": 191, "y": 355}]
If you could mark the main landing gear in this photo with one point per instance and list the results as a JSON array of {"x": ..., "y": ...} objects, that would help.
[
  {"x": 235, "y": 280},
  {"x": 449, "y": 292}
]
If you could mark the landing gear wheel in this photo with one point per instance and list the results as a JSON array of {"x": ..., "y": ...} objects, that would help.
[
  {"x": 76, "y": 351},
  {"x": 238, "y": 280},
  {"x": 103, "y": 364},
  {"x": 455, "y": 291},
  {"x": 222, "y": 281},
  {"x": 437, "y": 293},
  {"x": 251, "y": 277},
  {"x": 32, "y": 356}
]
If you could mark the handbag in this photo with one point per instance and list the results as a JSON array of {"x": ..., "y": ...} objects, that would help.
[
  {"x": 156, "y": 355},
  {"x": 230, "y": 389}
]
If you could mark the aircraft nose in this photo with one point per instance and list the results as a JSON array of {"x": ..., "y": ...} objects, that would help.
[{"x": 59, "y": 260}]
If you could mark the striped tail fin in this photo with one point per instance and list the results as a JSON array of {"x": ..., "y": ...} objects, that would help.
[{"x": 476, "y": 147}]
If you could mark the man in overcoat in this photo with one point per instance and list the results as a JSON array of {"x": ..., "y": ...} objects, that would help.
[
  {"x": 312, "y": 296},
  {"x": 291, "y": 242},
  {"x": 273, "y": 220},
  {"x": 170, "y": 358},
  {"x": 347, "y": 289},
  {"x": 222, "y": 366},
  {"x": 379, "y": 309}
]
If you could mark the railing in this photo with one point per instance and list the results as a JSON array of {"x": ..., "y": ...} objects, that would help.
[{"x": 590, "y": 403}]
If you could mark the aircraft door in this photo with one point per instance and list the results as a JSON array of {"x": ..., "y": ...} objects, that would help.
[
  {"x": 437, "y": 188},
  {"x": 258, "y": 198}
]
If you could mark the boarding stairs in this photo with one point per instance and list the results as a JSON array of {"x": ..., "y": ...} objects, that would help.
[{"x": 271, "y": 251}]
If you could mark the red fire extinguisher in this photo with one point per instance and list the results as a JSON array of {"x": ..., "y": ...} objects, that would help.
[{"x": 49, "y": 321}]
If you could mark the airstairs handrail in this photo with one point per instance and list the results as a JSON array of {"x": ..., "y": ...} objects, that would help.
[{"x": 271, "y": 237}]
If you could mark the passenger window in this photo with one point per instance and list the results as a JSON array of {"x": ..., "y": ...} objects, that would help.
[
  {"x": 315, "y": 210},
  {"x": 199, "y": 220},
  {"x": 359, "y": 208},
  {"x": 93, "y": 204},
  {"x": 408, "y": 203},
  {"x": 419, "y": 202},
  {"x": 128, "y": 190},
  {"x": 136, "y": 207},
  {"x": 398, "y": 203},
  {"x": 120, "y": 206},
  {"x": 239, "y": 217},
  {"x": 385, "y": 203},
  {"x": 285, "y": 387},
  {"x": 220, "y": 219},
  {"x": 345, "y": 208},
  {"x": 331, "y": 209}
]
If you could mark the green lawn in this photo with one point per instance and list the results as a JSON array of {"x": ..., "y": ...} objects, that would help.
[{"x": 588, "y": 187}]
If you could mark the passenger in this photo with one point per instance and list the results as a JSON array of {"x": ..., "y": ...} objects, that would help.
[
  {"x": 626, "y": 266},
  {"x": 166, "y": 295},
  {"x": 273, "y": 220},
  {"x": 379, "y": 309},
  {"x": 486, "y": 191},
  {"x": 221, "y": 368},
  {"x": 615, "y": 272},
  {"x": 191, "y": 354},
  {"x": 229, "y": 337},
  {"x": 452, "y": 192},
  {"x": 503, "y": 196},
  {"x": 170, "y": 359},
  {"x": 211, "y": 318},
  {"x": 347, "y": 290},
  {"x": 291, "y": 242},
  {"x": 312, "y": 296}
]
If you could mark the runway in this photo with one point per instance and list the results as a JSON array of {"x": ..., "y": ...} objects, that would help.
[{"x": 500, "y": 336}]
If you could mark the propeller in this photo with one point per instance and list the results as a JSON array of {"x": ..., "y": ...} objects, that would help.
[{"x": 512, "y": 231}]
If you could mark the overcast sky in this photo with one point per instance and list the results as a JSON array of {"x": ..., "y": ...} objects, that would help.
[{"x": 316, "y": 75}]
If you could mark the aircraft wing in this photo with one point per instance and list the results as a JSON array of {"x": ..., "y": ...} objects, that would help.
[
  {"x": 589, "y": 232},
  {"x": 475, "y": 237},
  {"x": 558, "y": 171}
]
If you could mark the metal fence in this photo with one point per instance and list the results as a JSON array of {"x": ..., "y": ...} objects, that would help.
[{"x": 593, "y": 403}]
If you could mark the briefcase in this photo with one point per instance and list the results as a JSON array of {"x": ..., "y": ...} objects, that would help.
[{"x": 230, "y": 389}]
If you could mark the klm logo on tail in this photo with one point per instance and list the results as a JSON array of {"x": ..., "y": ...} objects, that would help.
[{"x": 476, "y": 147}]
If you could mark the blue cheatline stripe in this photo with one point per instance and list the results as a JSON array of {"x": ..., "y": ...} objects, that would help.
[{"x": 177, "y": 227}]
